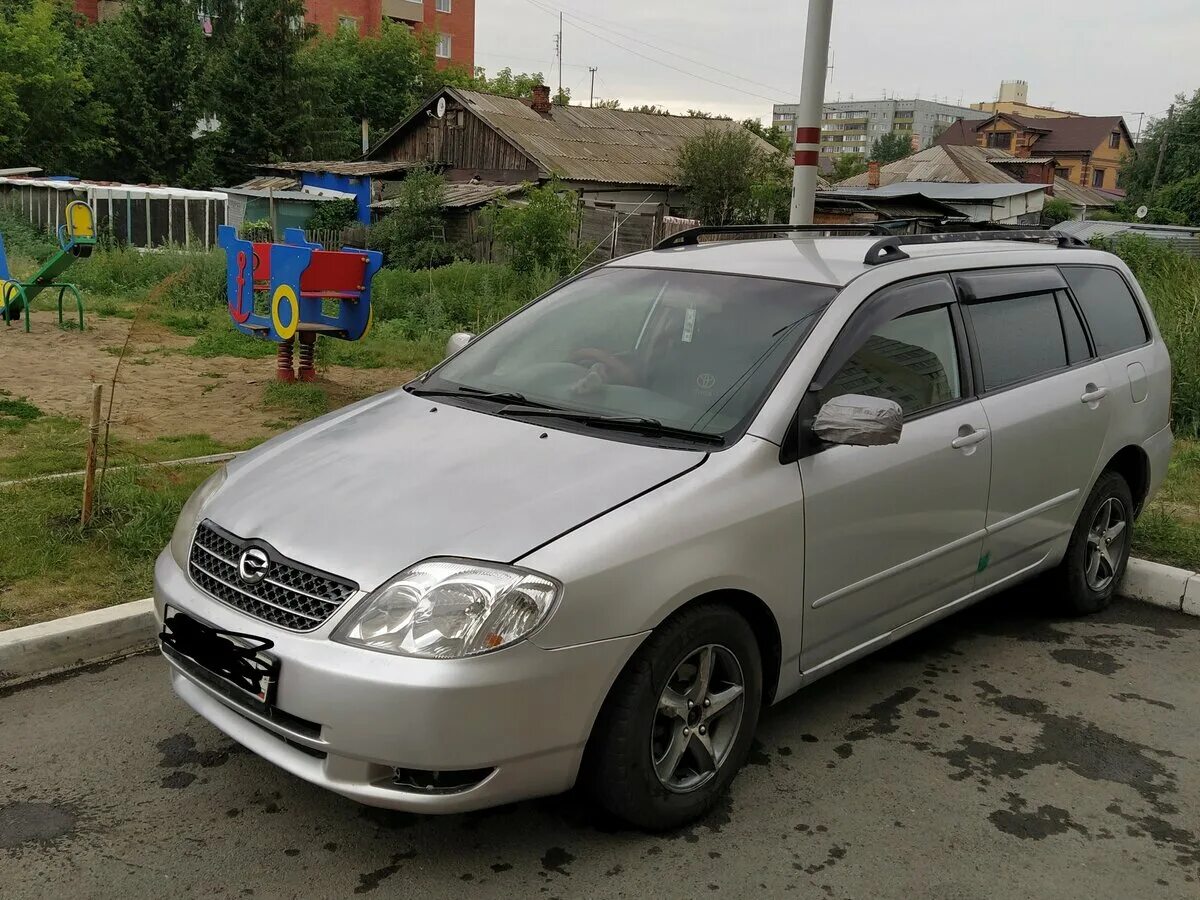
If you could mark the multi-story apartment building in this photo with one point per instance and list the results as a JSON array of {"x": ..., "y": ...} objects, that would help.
[
  {"x": 1013, "y": 98},
  {"x": 852, "y": 126},
  {"x": 453, "y": 21}
]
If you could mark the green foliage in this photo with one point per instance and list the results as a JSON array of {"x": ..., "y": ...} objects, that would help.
[
  {"x": 539, "y": 232},
  {"x": 652, "y": 108},
  {"x": 299, "y": 401},
  {"x": 1182, "y": 157},
  {"x": 21, "y": 238},
  {"x": 1171, "y": 280},
  {"x": 334, "y": 215},
  {"x": 614, "y": 103},
  {"x": 49, "y": 115},
  {"x": 412, "y": 234},
  {"x": 505, "y": 83},
  {"x": 1179, "y": 202},
  {"x": 16, "y": 413},
  {"x": 779, "y": 138},
  {"x": 147, "y": 66},
  {"x": 891, "y": 147},
  {"x": 847, "y": 165},
  {"x": 1056, "y": 210},
  {"x": 729, "y": 180}
]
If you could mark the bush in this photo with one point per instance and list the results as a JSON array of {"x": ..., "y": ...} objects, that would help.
[
  {"x": 413, "y": 234},
  {"x": 334, "y": 215},
  {"x": 1056, "y": 210},
  {"x": 538, "y": 233},
  {"x": 1171, "y": 280}
]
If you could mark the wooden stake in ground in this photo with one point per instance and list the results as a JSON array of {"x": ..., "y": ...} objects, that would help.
[{"x": 89, "y": 467}]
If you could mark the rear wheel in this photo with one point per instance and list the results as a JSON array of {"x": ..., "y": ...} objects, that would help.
[
  {"x": 1096, "y": 557},
  {"x": 679, "y": 721}
]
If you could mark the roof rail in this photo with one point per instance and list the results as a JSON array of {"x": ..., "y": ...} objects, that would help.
[
  {"x": 888, "y": 249},
  {"x": 691, "y": 236}
]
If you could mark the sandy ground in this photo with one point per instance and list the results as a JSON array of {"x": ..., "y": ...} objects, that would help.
[{"x": 160, "y": 390}]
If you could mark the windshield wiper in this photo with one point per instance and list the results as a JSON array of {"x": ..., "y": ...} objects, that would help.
[
  {"x": 636, "y": 424},
  {"x": 465, "y": 390}
]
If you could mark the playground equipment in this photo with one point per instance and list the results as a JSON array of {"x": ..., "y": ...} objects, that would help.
[
  {"x": 76, "y": 240},
  {"x": 300, "y": 279}
]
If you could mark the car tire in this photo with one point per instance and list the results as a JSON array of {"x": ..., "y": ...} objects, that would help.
[
  {"x": 647, "y": 718},
  {"x": 1096, "y": 556}
]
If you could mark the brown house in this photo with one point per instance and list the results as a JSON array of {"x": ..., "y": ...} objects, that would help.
[{"x": 1088, "y": 150}]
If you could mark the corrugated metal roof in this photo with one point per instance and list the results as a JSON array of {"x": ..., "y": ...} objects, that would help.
[
  {"x": 271, "y": 183},
  {"x": 947, "y": 191},
  {"x": 952, "y": 165},
  {"x": 1187, "y": 239},
  {"x": 461, "y": 195},
  {"x": 1019, "y": 160},
  {"x": 1077, "y": 195},
  {"x": 336, "y": 167},
  {"x": 585, "y": 144}
]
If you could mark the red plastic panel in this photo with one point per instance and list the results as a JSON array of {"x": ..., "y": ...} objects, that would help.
[{"x": 334, "y": 272}]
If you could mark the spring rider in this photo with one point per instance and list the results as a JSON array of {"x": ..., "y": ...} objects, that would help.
[{"x": 300, "y": 280}]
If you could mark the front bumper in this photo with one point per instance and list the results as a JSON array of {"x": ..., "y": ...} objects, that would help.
[{"x": 523, "y": 712}]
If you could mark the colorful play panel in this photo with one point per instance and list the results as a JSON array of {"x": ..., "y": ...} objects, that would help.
[
  {"x": 76, "y": 239},
  {"x": 308, "y": 291}
]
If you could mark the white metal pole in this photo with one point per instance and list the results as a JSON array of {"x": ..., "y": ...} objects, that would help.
[{"x": 808, "y": 110}]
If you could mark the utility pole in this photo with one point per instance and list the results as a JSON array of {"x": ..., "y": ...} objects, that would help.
[
  {"x": 560, "y": 24},
  {"x": 808, "y": 111},
  {"x": 1162, "y": 148},
  {"x": 592, "y": 91}
]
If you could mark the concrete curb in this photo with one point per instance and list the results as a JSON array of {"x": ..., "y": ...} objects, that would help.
[
  {"x": 68, "y": 643},
  {"x": 62, "y": 644}
]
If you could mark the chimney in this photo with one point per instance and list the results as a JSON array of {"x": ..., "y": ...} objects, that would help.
[
  {"x": 873, "y": 174},
  {"x": 541, "y": 100}
]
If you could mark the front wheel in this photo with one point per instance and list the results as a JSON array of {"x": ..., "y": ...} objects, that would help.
[
  {"x": 1095, "y": 559},
  {"x": 678, "y": 723}
]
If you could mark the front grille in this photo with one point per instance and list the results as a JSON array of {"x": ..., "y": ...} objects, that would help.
[{"x": 292, "y": 595}]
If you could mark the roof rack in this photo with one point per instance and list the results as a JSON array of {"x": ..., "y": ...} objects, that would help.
[
  {"x": 888, "y": 249},
  {"x": 691, "y": 236}
]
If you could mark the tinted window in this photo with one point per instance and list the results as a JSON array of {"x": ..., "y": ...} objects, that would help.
[
  {"x": 911, "y": 360},
  {"x": 1109, "y": 308},
  {"x": 1018, "y": 338},
  {"x": 1077, "y": 345}
]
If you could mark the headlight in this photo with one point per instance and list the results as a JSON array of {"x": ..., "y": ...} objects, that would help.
[
  {"x": 450, "y": 608},
  {"x": 181, "y": 537}
]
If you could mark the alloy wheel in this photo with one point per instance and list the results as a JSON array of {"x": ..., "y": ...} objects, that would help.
[
  {"x": 1105, "y": 543},
  {"x": 697, "y": 719}
]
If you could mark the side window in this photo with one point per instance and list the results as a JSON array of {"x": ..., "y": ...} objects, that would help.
[
  {"x": 1109, "y": 307},
  {"x": 1077, "y": 345},
  {"x": 1017, "y": 337},
  {"x": 911, "y": 360}
]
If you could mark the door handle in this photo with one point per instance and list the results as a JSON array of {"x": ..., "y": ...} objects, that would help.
[
  {"x": 1093, "y": 394},
  {"x": 969, "y": 440}
]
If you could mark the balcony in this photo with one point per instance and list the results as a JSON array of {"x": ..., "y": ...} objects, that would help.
[{"x": 404, "y": 10}]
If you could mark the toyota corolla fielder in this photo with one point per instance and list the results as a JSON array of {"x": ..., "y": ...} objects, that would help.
[{"x": 595, "y": 541}]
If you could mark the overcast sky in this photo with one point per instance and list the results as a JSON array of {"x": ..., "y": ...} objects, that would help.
[{"x": 1103, "y": 57}]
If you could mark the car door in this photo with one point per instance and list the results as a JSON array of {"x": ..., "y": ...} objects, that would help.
[
  {"x": 894, "y": 532},
  {"x": 1046, "y": 398}
]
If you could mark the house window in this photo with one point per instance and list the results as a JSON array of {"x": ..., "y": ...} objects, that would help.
[
  {"x": 1098, "y": 178},
  {"x": 999, "y": 140},
  {"x": 442, "y": 6},
  {"x": 1062, "y": 172},
  {"x": 348, "y": 23},
  {"x": 1114, "y": 140},
  {"x": 443, "y": 46}
]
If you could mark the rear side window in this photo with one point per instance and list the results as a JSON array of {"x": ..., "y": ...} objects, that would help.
[
  {"x": 1017, "y": 338},
  {"x": 1077, "y": 345},
  {"x": 1109, "y": 307}
]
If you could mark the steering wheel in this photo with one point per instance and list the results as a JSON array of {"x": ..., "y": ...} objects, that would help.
[{"x": 616, "y": 370}]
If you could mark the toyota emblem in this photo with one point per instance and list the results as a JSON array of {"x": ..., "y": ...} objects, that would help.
[{"x": 253, "y": 565}]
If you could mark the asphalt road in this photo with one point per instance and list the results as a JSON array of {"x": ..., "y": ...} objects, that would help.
[{"x": 998, "y": 754}]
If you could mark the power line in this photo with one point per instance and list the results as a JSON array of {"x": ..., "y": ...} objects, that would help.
[
  {"x": 665, "y": 65},
  {"x": 627, "y": 36}
]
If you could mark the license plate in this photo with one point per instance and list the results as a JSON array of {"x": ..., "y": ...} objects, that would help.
[{"x": 234, "y": 659}]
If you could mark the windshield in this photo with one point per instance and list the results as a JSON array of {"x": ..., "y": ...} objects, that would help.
[{"x": 688, "y": 350}]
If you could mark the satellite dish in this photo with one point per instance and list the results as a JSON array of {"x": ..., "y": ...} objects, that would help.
[
  {"x": 441, "y": 107},
  {"x": 1142, "y": 211}
]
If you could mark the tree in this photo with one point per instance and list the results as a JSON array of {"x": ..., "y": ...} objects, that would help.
[
  {"x": 506, "y": 83},
  {"x": 49, "y": 115},
  {"x": 847, "y": 165},
  {"x": 1182, "y": 156},
  {"x": 539, "y": 232},
  {"x": 1056, "y": 210},
  {"x": 607, "y": 104},
  {"x": 148, "y": 64},
  {"x": 651, "y": 108},
  {"x": 780, "y": 138},
  {"x": 729, "y": 179},
  {"x": 702, "y": 114},
  {"x": 411, "y": 235},
  {"x": 259, "y": 96},
  {"x": 891, "y": 147}
]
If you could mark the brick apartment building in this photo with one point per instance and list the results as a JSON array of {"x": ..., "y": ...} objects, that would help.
[{"x": 453, "y": 21}]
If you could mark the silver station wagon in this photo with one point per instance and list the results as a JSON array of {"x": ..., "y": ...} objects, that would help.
[{"x": 590, "y": 546}]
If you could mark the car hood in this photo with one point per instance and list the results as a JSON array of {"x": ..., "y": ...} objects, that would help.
[{"x": 368, "y": 491}]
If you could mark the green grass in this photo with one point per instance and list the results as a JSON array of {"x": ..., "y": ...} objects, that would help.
[
  {"x": 220, "y": 338},
  {"x": 1169, "y": 529},
  {"x": 298, "y": 402},
  {"x": 54, "y": 567}
]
